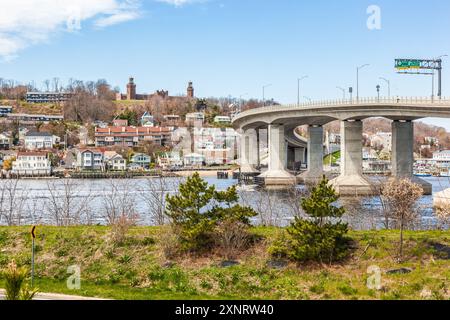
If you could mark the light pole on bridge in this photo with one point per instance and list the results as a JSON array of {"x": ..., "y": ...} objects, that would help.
[
  {"x": 264, "y": 93},
  {"x": 343, "y": 91},
  {"x": 357, "y": 80},
  {"x": 389, "y": 85},
  {"x": 298, "y": 89}
]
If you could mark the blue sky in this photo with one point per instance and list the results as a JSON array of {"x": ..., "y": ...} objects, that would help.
[{"x": 227, "y": 47}]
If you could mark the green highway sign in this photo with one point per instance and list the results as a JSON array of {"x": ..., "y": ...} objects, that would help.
[{"x": 407, "y": 64}]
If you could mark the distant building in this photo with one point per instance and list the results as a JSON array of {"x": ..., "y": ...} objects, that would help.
[
  {"x": 442, "y": 159},
  {"x": 194, "y": 160},
  {"x": 195, "y": 119},
  {"x": 40, "y": 140},
  {"x": 131, "y": 136},
  {"x": 6, "y": 141},
  {"x": 119, "y": 123},
  {"x": 382, "y": 140},
  {"x": 222, "y": 119},
  {"x": 48, "y": 97},
  {"x": 164, "y": 94},
  {"x": 432, "y": 141},
  {"x": 31, "y": 164},
  {"x": 147, "y": 120},
  {"x": 4, "y": 110},
  {"x": 115, "y": 161},
  {"x": 170, "y": 159},
  {"x": 33, "y": 118},
  {"x": 90, "y": 159},
  {"x": 142, "y": 160}
]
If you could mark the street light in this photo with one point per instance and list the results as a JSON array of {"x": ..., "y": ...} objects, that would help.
[
  {"x": 298, "y": 89},
  {"x": 343, "y": 91},
  {"x": 357, "y": 80},
  {"x": 264, "y": 93},
  {"x": 389, "y": 85}
]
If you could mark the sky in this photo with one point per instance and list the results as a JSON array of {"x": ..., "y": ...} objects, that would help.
[{"x": 227, "y": 47}]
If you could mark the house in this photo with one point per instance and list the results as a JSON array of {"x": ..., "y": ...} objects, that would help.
[
  {"x": 120, "y": 122},
  {"x": 90, "y": 159},
  {"x": 147, "y": 120},
  {"x": 131, "y": 136},
  {"x": 48, "y": 97},
  {"x": 442, "y": 158},
  {"x": 382, "y": 141},
  {"x": 222, "y": 120},
  {"x": 142, "y": 160},
  {"x": 6, "y": 141},
  {"x": 40, "y": 140},
  {"x": 32, "y": 164},
  {"x": 115, "y": 161},
  {"x": 4, "y": 110},
  {"x": 172, "y": 118},
  {"x": 170, "y": 159},
  {"x": 195, "y": 119},
  {"x": 194, "y": 160}
]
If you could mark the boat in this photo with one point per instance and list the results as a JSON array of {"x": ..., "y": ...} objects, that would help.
[{"x": 422, "y": 174}]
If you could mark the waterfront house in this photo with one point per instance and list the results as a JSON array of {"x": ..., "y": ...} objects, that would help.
[
  {"x": 31, "y": 164},
  {"x": 6, "y": 141},
  {"x": 142, "y": 160},
  {"x": 90, "y": 159},
  {"x": 170, "y": 159},
  {"x": 116, "y": 162},
  {"x": 194, "y": 160},
  {"x": 40, "y": 140}
]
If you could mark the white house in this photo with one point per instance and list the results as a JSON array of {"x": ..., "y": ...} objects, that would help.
[
  {"x": 195, "y": 118},
  {"x": 170, "y": 159},
  {"x": 40, "y": 140},
  {"x": 6, "y": 141},
  {"x": 222, "y": 120},
  {"x": 194, "y": 160},
  {"x": 115, "y": 161},
  {"x": 147, "y": 120},
  {"x": 32, "y": 163},
  {"x": 90, "y": 159},
  {"x": 382, "y": 140},
  {"x": 442, "y": 158}
]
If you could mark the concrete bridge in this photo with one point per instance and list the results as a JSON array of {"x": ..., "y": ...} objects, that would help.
[{"x": 285, "y": 146}]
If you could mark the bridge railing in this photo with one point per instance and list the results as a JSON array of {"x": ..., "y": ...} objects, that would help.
[{"x": 375, "y": 100}]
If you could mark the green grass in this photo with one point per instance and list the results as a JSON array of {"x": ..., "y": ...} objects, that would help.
[
  {"x": 334, "y": 158},
  {"x": 137, "y": 269}
]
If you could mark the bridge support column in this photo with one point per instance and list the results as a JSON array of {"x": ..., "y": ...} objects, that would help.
[
  {"x": 315, "y": 156},
  {"x": 351, "y": 182},
  {"x": 403, "y": 154},
  {"x": 277, "y": 174},
  {"x": 248, "y": 152}
]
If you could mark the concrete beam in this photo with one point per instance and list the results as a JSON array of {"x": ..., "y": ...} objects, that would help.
[
  {"x": 277, "y": 174},
  {"x": 315, "y": 156},
  {"x": 351, "y": 181},
  {"x": 248, "y": 150}
]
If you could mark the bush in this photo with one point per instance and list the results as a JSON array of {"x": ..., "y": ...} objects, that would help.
[
  {"x": 195, "y": 212},
  {"x": 231, "y": 237},
  {"x": 316, "y": 238},
  {"x": 120, "y": 228},
  {"x": 14, "y": 283}
]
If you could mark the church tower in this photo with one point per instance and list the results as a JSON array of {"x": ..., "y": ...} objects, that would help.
[
  {"x": 190, "y": 90},
  {"x": 131, "y": 89}
]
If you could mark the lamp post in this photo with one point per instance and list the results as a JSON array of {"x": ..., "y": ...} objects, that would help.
[
  {"x": 343, "y": 91},
  {"x": 298, "y": 89},
  {"x": 389, "y": 85},
  {"x": 357, "y": 80},
  {"x": 264, "y": 93},
  {"x": 378, "y": 92}
]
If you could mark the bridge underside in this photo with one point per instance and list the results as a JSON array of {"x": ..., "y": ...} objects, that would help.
[{"x": 288, "y": 152}]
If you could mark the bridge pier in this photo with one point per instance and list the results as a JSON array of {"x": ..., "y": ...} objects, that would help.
[
  {"x": 277, "y": 174},
  {"x": 315, "y": 156},
  {"x": 249, "y": 152},
  {"x": 351, "y": 182},
  {"x": 403, "y": 154}
]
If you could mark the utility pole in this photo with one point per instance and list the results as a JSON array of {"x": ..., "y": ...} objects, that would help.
[
  {"x": 357, "y": 80},
  {"x": 264, "y": 93},
  {"x": 350, "y": 91},
  {"x": 298, "y": 89}
]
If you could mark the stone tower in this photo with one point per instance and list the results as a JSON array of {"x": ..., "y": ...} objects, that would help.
[
  {"x": 131, "y": 89},
  {"x": 190, "y": 90}
]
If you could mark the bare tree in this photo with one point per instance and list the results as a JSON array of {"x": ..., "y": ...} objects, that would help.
[
  {"x": 154, "y": 196},
  {"x": 65, "y": 202},
  {"x": 119, "y": 202},
  {"x": 12, "y": 201},
  {"x": 401, "y": 197}
]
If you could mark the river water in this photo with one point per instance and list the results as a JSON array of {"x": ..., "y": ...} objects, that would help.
[{"x": 91, "y": 201}]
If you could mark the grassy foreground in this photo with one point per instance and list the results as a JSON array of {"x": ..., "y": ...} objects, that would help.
[{"x": 138, "y": 270}]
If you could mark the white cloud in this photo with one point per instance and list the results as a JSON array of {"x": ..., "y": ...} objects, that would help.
[
  {"x": 179, "y": 3},
  {"x": 24, "y": 23}
]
